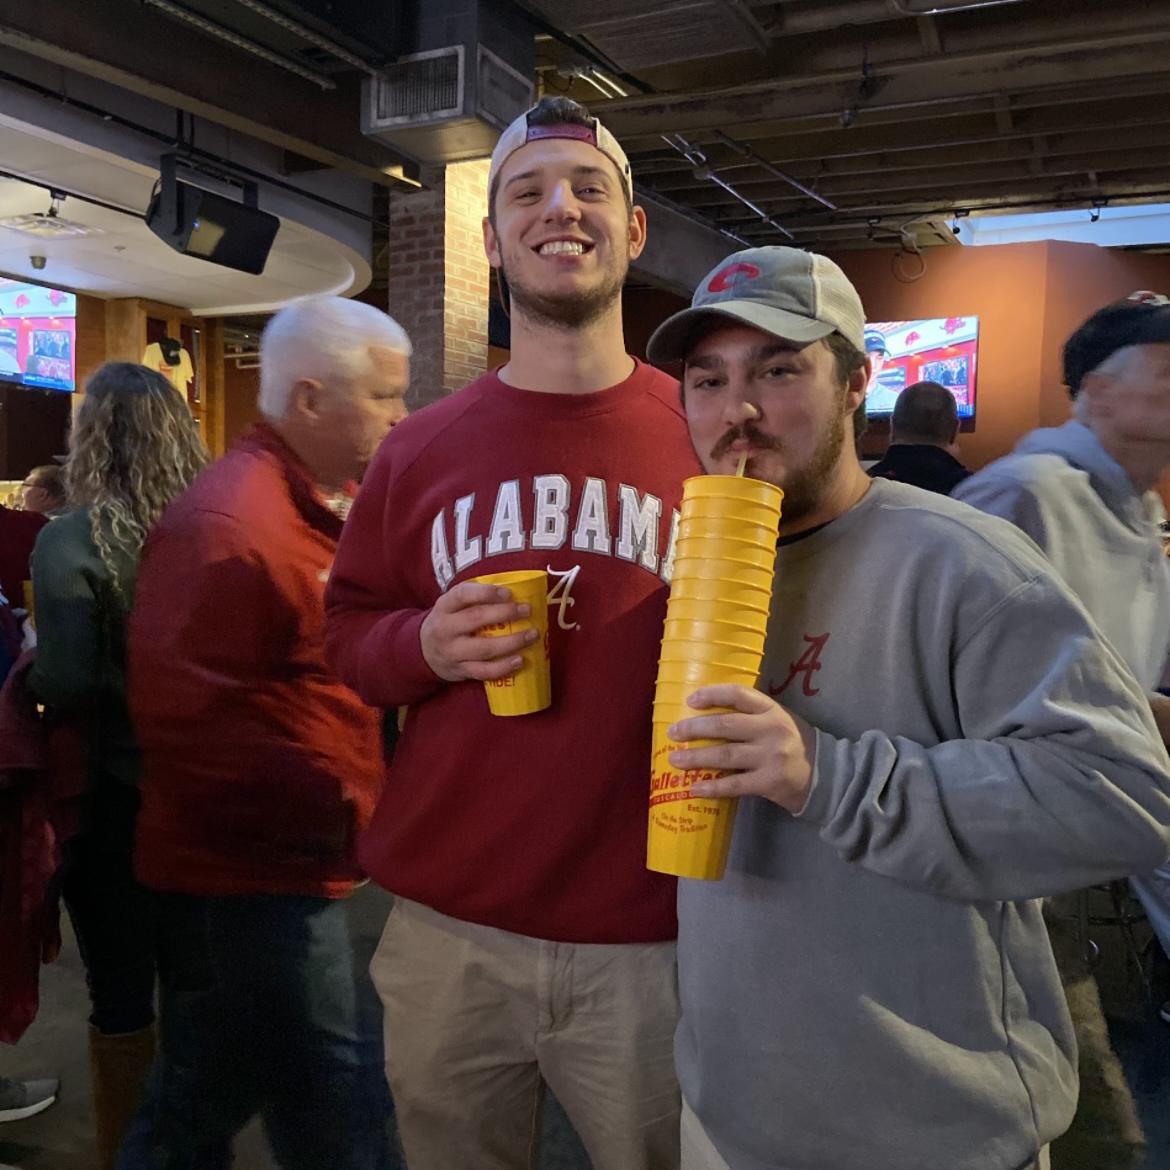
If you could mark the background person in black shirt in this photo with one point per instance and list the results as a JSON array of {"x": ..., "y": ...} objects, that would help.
[{"x": 923, "y": 434}]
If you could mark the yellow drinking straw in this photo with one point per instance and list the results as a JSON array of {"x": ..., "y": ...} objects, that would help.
[{"x": 742, "y": 464}]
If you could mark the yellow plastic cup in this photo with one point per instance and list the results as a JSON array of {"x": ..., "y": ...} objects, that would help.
[
  {"x": 706, "y": 673},
  {"x": 670, "y": 702},
  {"x": 740, "y": 488},
  {"x": 530, "y": 688},
  {"x": 687, "y": 836},
  {"x": 750, "y": 619},
  {"x": 714, "y": 633},
  {"x": 729, "y": 527},
  {"x": 688, "y": 567},
  {"x": 733, "y": 596},
  {"x": 723, "y": 550},
  {"x": 728, "y": 657},
  {"x": 742, "y": 511}
]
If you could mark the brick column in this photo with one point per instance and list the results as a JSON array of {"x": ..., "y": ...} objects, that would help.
[{"x": 438, "y": 277}]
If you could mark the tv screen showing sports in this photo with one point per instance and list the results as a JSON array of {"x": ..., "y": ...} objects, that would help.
[
  {"x": 38, "y": 335},
  {"x": 937, "y": 349}
]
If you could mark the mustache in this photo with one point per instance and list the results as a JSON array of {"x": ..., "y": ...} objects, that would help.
[{"x": 748, "y": 432}]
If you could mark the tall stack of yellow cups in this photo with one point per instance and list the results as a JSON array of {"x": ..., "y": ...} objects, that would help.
[{"x": 716, "y": 621}]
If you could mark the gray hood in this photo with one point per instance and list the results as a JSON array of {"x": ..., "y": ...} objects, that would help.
[{"x": 1078, "y": 446}]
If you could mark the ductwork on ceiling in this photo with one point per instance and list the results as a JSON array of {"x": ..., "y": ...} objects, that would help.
[
  {"x": 644, "y": 34},
  {"x": 796, "y": 18},
  {"x": 641, "y": 34},
  {"x": 467, "y": 73}
]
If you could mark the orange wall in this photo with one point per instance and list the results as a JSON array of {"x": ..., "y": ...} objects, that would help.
[
  {"x": 1029, "y": 298},
  {"x": 1081, "y": 279},
  {"x": 1005, "y": 287}
]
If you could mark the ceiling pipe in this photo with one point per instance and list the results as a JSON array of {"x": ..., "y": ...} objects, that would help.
[
  {"x": 759, "y": 160},
  {"x": 846, "y": 12},
  {"x": 238, "y": 41},
  {"x": 308, "y": 35},
  {"x": 742, "y": 14},
  {"x": 940, "y": 7},
  {"x": 704, "y": 172}
]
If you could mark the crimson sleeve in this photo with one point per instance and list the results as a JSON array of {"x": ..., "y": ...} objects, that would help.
[{"x": 372, "y": 621}]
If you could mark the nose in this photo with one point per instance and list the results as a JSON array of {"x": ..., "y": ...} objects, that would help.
[
  {"x": 738, "y": 409},
  {"x": 396, "y": 413},
  {"x": 561, "y": 203}
]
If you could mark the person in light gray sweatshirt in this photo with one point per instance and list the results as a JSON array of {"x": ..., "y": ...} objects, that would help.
[
  {"x": 1083, "y": 493},
  {"x": 939, "y": 737}
]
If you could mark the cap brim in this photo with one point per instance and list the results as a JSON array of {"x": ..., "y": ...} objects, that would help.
[{"x": 671, "y": 340}]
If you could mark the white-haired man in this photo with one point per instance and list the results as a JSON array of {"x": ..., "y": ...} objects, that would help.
[
  {"x": 870, "y": 986},
  {"x": 260, "y": 768}
]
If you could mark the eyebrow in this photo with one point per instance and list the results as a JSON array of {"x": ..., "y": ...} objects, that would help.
[
  {"x": 713, "y": 361},
  {"x": 578, "y": 172}
]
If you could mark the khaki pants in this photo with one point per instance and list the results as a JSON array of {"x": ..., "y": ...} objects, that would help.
[
  {"x": 699, "y": 1153},
  {"x": 477, "y": 1020}
]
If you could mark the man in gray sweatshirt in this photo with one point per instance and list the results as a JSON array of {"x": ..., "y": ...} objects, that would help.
[{"x": 939, "y": 737}]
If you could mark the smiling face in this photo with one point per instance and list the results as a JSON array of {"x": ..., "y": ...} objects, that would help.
[
  {"x": 561, "y": 232},
  {"x": 783, "y": 405}
]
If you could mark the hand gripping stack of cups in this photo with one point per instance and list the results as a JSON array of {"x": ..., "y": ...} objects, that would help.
[{"x": 716, "y": 621}]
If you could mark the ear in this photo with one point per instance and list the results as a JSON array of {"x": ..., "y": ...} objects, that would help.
[
  {"x": 1097, "y": 393},
  {"x": 491, "y": 243},
  {"x": 306, "y": 399},
  {"x": 855, "y": 387},
  {"x": 637, "y": 232}
]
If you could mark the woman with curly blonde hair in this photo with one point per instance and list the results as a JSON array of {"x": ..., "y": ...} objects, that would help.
[{"x": 134, "y": 448}]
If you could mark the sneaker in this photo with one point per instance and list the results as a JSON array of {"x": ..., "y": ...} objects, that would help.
[
  {"x": 21, "y": 1099},
  {"x": 1164, "y": 1011}
]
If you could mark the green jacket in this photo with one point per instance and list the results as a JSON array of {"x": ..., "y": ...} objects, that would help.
[{"x": 80, "y": 667}]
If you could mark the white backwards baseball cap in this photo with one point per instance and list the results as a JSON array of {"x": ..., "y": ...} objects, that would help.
[{"x": 520, "y": 133}]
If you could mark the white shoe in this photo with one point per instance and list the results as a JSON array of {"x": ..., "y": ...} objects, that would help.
[{"x": 21, "y": 1099}]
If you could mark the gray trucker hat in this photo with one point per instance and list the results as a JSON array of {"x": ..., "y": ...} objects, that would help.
[{"x": 796, "y": 295}]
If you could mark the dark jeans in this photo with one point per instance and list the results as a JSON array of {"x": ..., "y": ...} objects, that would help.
[
  {"x": 113, "y": 916},
  {"x": 265, "y": 1009}
]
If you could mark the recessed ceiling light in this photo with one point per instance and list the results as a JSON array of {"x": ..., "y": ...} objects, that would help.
[{"x": 47, "y": 226}]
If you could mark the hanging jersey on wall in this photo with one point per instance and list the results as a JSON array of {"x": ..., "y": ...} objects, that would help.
[{"x": 179, "y": 375}]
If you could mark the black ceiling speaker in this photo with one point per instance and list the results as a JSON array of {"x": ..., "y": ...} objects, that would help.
[{"x": 201, "y": 223}]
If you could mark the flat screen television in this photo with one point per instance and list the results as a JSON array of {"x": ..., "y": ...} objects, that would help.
[
  {"x": 935, "y": 349},
  {"x": 38, "y": 335}
]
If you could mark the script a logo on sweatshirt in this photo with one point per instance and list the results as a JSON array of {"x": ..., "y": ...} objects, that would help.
[
  {"x": 549, "y": 519},
  {"x": 804, "y": 668}
]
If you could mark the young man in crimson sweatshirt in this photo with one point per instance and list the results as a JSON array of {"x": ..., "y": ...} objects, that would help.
[{"x": 528, "y": 943}]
